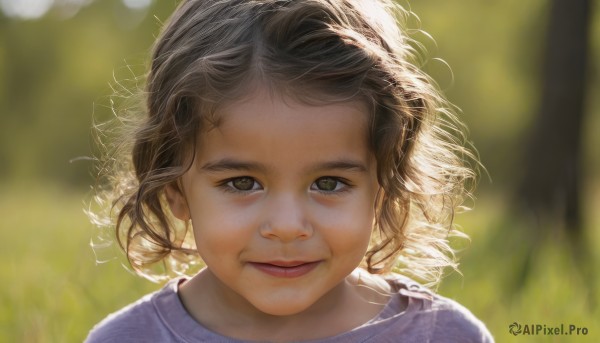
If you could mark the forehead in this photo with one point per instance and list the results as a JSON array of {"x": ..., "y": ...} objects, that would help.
[
  {"x": 263, "y": 91},
  {"x": 269, "y": 126},
  {"x": 288, "y": 106}
]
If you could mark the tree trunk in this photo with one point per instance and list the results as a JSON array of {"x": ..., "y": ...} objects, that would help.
[{"x": 552, "y": 175}]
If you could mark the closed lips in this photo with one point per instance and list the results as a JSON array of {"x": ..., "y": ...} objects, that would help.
[
  {"x": 285, "y": 269},
  {"x": 286, "y": 264}
]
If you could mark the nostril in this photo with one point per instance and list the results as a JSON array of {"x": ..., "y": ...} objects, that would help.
[{"x": 288, "y": 231}]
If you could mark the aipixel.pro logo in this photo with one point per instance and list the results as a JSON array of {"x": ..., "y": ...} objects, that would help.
[
  {"x": 546, "y": 330},
  {"x": 515, "y": 328}
]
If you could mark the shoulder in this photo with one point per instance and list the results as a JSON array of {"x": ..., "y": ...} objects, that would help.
[
  {"x": 454, "y": 322},
  {"x": 441, "y": 318},
  {"x": 141, "y": 321}
]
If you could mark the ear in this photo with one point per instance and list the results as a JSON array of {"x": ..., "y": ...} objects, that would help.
[{"x": 177, "y": 202}]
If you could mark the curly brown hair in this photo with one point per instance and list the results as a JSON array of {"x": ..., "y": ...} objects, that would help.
[{"x": 316, "y": 51}]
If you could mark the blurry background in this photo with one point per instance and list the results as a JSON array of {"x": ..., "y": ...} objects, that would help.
[{"x": 524, "y": 73}]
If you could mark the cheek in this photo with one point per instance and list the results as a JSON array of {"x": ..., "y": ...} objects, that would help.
[
  {"x": 347, "y": 227},
  {"x": 221, "y": 227}
]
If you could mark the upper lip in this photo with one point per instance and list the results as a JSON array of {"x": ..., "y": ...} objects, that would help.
[{"x": 286, "y": 264}]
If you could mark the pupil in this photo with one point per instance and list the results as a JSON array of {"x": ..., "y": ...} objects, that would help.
[
  {"x": 327, "y": 184},
  {"x": 243, "y": 184}
]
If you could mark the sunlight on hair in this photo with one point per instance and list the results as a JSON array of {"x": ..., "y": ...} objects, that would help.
[
  {"x": 427, "y": 167},
  {"x": 26, "y": 9},
  {"x": 137, "y": 4}
]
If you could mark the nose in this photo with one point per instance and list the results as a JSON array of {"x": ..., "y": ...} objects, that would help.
[{"x": 285, "y": 219}]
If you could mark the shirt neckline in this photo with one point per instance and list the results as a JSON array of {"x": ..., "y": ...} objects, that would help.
[{"x": 177, "y": 319}]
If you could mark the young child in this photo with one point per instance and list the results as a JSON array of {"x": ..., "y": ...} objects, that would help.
[{"x": 310, "y": 161}]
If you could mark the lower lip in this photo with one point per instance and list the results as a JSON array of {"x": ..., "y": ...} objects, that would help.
[{"x": 286, "y": 272}]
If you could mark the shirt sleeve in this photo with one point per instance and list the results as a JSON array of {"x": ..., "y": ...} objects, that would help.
[
  {"x": 137, "y": 322},
  {"x": 454, "y": 323}
]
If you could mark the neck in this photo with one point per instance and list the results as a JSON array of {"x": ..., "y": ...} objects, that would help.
[{"x": 219, "y": 309}]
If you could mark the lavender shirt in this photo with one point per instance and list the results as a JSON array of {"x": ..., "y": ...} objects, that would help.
[{"x": 161, "y": 317}]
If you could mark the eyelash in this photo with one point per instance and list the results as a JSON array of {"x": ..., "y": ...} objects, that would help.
[
  {"x": 345, "y": 186},
  {"x": 227, "y": 185}
]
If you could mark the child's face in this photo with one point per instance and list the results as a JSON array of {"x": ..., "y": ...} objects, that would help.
[{"x": 281, "y": 197}]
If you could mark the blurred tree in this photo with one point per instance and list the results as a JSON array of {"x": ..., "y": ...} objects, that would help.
[
  {"x": 55, "y": 72},
  {"x": 552, "y": 182},
  {"x": 552, "y": 175}
]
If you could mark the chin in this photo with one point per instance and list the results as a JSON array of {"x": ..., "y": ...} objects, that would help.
[{"x": 283, "y": 307}]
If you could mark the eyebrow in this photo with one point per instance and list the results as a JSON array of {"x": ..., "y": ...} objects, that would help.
[
  {"x": 228, "y": 164},
  {"x": 342, "y": 164}
]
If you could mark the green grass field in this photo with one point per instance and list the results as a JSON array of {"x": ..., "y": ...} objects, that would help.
[{"x": 54, "y": 291}]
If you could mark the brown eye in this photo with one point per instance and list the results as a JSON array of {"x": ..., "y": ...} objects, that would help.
[
  {"x": 327, "y": 184},
  {"x": 243, "y": 183}
]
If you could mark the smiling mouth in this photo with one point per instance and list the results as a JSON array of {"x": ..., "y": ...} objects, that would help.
[{"x": 290, "y": 269}]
